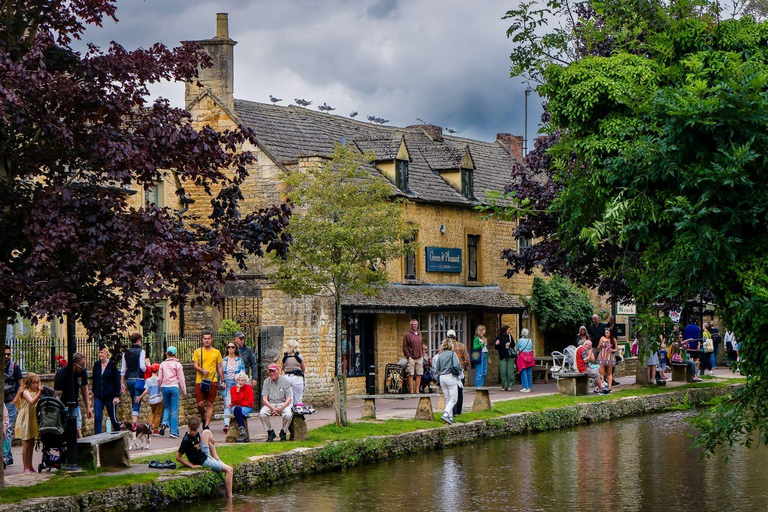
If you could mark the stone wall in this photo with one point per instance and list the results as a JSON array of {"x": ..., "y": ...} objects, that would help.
[{"x": 268, "y": 469}]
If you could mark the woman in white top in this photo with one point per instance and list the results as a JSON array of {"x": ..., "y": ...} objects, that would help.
[{"x": 294, "y": 369}]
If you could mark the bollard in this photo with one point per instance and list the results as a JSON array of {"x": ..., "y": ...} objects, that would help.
[{"x": 370, "y": 381}]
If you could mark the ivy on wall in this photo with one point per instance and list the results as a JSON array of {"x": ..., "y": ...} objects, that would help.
[{"x": 560, "y": 308}]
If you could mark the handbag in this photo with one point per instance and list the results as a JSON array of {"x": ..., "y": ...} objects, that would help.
[
  {"x": 475, "y": 356},
  {"x": 677, "y": 358},
  {"x": 205, "y": 384},
  {"x": 709, "y": 347}
]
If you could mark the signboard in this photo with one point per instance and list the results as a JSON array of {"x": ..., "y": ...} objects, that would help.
[
  {"x": 443, "y": 259},
  {"x": 621, "y": 330},
  {"x": 383, "y": 311},
  {"x": 625, "y": 309},
  {"x": 674, "y": 315}
]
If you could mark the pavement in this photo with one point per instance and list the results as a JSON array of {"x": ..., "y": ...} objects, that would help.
[{"x": 164, "y": 448}]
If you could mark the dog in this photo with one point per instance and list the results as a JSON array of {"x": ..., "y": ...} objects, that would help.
[{"x": 141, "y": 436}]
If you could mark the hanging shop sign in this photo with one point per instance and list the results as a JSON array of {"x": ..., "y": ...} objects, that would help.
[
  {"x": 443, "y": 259},
  {"x": 626, "y": 309}
]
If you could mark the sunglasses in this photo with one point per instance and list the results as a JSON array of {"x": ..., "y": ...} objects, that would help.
[{"x": 231, "y": 346}]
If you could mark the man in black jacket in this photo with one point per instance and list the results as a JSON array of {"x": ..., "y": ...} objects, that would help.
[{"x": 246, "y": 354}]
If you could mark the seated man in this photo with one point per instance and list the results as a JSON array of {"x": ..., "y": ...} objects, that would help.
[
  {"x": 276, "y": 395},
  {"x": 584, "y": 355},
  {"x": 200, "y": 451}
]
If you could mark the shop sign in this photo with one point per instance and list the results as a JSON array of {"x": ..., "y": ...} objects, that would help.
[
  {"x": 443, "y": 259},
  {"x": 626, "y": 309},
  {"x": 382, "y": 311}
]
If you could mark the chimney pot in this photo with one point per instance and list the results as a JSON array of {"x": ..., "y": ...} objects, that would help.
[
  {"x": 513, "y": 143},
  {"x": 222, "y": 25}
]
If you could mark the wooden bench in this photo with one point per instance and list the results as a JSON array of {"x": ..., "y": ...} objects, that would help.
[
  {"x": 108, "y": 450},
  {"x": 543, "y": 364},
  {"x": 572, "y": 384},
  {"x": 680, "y": 373},
  {"x": 423, "y": 410}
]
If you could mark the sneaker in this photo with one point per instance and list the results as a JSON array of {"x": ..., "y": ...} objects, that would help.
[
  {"x": 445, "y": 418},
  {"x": 206, "y": 427},
  {"x": 155, "y": 433},
  {"x": 283, "y": 436},
  {"x": 526, "y": 390},
  {"x": 173, "y": 436},
  {"x": 162, "y": 429},
  {"x": 243, "y": 437},
  {"x": 9, "y": 461},
  {"x": 271, "y": 436},
  {"x": 226, "y": 429},
  {"x": 596, "y": 391},
  {"x": 616, "y": 383},
  {"x": 605, "y": 391}
]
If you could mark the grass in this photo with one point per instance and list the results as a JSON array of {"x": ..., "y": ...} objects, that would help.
[{"x": 69, "y": 484}]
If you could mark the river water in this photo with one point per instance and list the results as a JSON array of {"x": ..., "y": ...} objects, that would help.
[{"x": 634, "y": 464}]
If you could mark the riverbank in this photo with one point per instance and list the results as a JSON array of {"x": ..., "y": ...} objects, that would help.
[{"x": 331, "y": 448}]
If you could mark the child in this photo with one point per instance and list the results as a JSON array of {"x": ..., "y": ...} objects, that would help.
[
  {"x": 26, "y": 423},
  {"x": 152, "y": 388},
  {"x": 201, "y": 452}
]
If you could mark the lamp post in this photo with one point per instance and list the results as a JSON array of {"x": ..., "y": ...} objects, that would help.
[
  {"x": 528, "y": 91},
  {"x": 71, "y": 404}
]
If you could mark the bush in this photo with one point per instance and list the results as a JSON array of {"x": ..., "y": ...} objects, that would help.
[
  {"x": 560, "y": 309},
  {"x": 228, "y": 328}
]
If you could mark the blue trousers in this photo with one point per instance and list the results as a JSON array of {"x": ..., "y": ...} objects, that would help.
[
  {"x": 9, "y": 435},
  {"x": 98, "y": 413},
  {"x": 171, "y": 408},
  {"x": 481, "y": 370},
  {"x": 526, "y": 378},
  {"x": 135, "y": 388}
]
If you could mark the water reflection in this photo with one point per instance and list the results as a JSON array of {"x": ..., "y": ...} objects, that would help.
[{"x": 633, "y": 464}]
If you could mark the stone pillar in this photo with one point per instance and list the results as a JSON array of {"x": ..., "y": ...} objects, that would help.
[
  {"x": 369, "y": 409},
  {"x": 298, "y": 428},
  {"x": 424, "y": 410},
  {"x": 482, "y": 400},
  {"x": 234, "y": 430}
]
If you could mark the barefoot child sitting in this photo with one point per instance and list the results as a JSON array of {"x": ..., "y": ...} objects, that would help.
[{"x": 201, "y": 452}]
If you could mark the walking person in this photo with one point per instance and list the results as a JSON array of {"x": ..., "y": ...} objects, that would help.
[
  {"x": 414, "y": 355},
  {"x": 170, "y": 378},
  {"x": 154, "y": 395},
  {"x": 242, "y": 403},
  {"x": 134, "y": 364},
  {"x": 606, "y": 357},
  {"x": 207, "y": 362},
  {"x": 707, "y": 349},
  {"x": 232, "y": 366},
  {"x": 294, "y": 369},
  {"x": 249, "y": 360},
  {"x": 729, "y": 340},
  {"x": 26, "y": 425},
  {"x": 61, "y": 389},
  {"x": 480, "y": 344},
  {"x": 447, "y": 369},
  {"x": 11, "y": 386},
  {"x": 106, "y": 390},
  {"x": 506, "y": 351},
  {"x": 463, "y": 355},
  {"x": 525, "y": 361}
]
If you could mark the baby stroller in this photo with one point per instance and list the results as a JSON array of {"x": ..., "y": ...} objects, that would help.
[{"x": 51, "y": 432}]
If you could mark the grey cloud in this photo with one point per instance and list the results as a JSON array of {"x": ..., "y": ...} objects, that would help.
[{"x": 382, "y": 9}]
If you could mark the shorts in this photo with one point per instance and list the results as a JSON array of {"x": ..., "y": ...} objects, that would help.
[
  {"x": 210, "y": 396},
  {"x": 592, "y": 373},
  {"x": 79, "y": 417},
  {"x": 210, "y": 462},
  {"x": 415, "y": 366}
]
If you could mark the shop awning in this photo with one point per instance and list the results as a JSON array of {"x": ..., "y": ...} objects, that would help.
[{"x": 402, "y": 299}]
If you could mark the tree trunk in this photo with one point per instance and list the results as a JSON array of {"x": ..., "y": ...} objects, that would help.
[
  {"x": 340, "y": 381},
  {"x": 3, "y": 327}
]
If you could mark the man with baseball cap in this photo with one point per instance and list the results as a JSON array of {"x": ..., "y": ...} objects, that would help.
[
  {"x": 276, "y": 396},
  {"x": 246, "y": 354}
]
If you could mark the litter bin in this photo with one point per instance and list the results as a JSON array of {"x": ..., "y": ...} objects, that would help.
[{"x": 370, "y": 380}]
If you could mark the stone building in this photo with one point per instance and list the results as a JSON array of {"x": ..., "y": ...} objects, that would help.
[{"x": 454, "y": 280}]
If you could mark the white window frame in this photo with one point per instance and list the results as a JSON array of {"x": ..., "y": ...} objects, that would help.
[{"x": 433, "y": 327}]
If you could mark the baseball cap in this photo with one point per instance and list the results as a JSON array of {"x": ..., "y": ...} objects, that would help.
[
  {"x": 171, "y": 350},
  {"x": 239, "y": 334},
  {"x": 451, "y": 333},
  {"x": 273, "y": 367},
  {"x": 155, "y": 367}
]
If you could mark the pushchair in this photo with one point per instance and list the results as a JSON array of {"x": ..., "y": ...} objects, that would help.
[{"x": 51, "y": 432}]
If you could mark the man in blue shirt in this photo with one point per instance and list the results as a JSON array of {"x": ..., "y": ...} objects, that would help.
[
  {"x": 12, "y": 379},
  {"x": 692, "y": 337}
]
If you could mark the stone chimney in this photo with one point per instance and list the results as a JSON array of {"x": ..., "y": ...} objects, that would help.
[
  {"x": 435, "y": 133},
  {"x": 513, "y": 143},
  {"x": 219, "y": 78}
]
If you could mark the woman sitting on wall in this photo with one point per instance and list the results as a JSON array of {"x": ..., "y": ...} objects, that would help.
[{"x": 241, "y": 397}]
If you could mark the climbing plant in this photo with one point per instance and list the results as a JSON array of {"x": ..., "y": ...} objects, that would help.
[{"x": 560, "y": 309}]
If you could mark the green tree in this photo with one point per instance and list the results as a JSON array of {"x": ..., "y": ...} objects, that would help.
[
  {"x": 560, "y": 308},
  {"x": 663, "y": 159},
  {"x": 347, "y": 226}
]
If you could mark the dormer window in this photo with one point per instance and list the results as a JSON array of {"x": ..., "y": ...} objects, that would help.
[
  {"x": 401, "y": 174},
  {"x": 467, "y": 183}
]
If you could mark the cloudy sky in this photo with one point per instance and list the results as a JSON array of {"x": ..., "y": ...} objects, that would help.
[{"x": 444, "y": 61}]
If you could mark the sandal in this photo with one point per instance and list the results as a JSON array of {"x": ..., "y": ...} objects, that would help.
[{"x": 155, "y": 464}]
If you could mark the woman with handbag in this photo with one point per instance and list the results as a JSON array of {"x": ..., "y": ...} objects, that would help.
[
  {"x": 525, "y": 361},
  {"x": 447, "y": 370},
  {"x": 606, "y": 357},
  {"x": 480, "y": 344},
  {"x": 507, "y": 356}
]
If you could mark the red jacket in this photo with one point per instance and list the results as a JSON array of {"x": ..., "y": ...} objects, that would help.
[{"x": 243, "y": 398}]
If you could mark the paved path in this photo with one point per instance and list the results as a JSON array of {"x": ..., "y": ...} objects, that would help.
[{"x": 163, "y": 447}]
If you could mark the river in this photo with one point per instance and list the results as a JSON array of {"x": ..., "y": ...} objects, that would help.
[{"x": 633, "y": 464}]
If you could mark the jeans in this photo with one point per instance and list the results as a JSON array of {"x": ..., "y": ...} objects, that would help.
[
  {"x": 481, "y": 370},
  {"x": 98, "y": 413},
  {"x": 227, "y": 402},
  {"x": 450, "y": 386},
  {"x": 240, "y": 412},
  {"x": 9, "y": 435},
  {"x": 507, "y": 371},
  {"x": 526, "y": 378},
  {"x": 135, "y": 390},
  {"x": 171, "y": 408}
]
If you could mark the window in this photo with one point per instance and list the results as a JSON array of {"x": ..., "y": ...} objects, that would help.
[
  {"x": 357, "y": 343},
  {"x": 153, "y": 322},
  {"x": 473, "y": 242},
  {"x": 409, "y": 263},
  {"x": 523, "y": 243},
  {"x": 153, "y": 194},
  {"x": 467, "y": 184},
  {"x": 401, "y": 177},
  {"x": 433, "y": 327}
]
